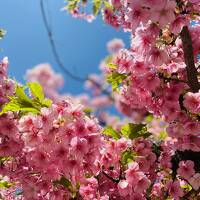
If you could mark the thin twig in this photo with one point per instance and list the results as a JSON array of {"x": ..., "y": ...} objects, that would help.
[
  {"x": 189, "y": 60},
  {"x": 111, "y": 178},
  {"x": 53, "y": 45},
  {"x": 171, "y": 78},
  {"x": 58, "y": 59}
]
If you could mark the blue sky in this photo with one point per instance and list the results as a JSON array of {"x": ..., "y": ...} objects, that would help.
[{"x": 81, "y": 45}]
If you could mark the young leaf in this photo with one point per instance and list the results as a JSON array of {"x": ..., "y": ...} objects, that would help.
[
  {"x": 14, "y": 106},
  {"x": 5, "y": 184},
  {"x": 115, "y": 79},
  {"x": 134, "y": 131},
  {"x": 149, "y": 118},
  {"x": 2, "y": 33},
  {"x": 108, "y": 5},
  {"x": 87, "y": 110},
  {"x": 64, "y": 182},
  {"x": 71, "y": 5},
  {"x": 112, "y": 66},
  {"x": 187, "y": 187},
  {"x": 46, "y": 103},
  {"x": 108, "y": 59},
  {"x": 20, "y": 94},
  {"x": 36, "y": 90},
  {"x": 96, "y": 7},
  {"x": 127, "y": 156},
  {"x": 22, "y": 102},
  {"x": 109, "y": 131},
  {"x": 4, "y": 159}
]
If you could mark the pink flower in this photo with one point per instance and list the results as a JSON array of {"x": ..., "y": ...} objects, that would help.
[
  {"x": 38, "y": 159},
  {"x": 142, "y": 184},
  {"x": 178, "y": 23},
  {"x": 3, "y": 68},
  {"x": 44, "y": 74},
  {"x": 150, "y": 3},
  {"x": 29, "y": 122},
  {"x": 157, "y": 57},
  {"x": 150, "y": 81},
  {"x": 192, "y": 102},
  {"x": 139, "y": 67},
  {"x": 136, "y": 14},
  {"x": 137, "y": 196},
  {"x": 79, "y": 146},
  {"x": 195, "y": 181},
  {"x": 192, "y": 127},
  {"x": 8, "y": 87},
  {"x": 163, "y": 12},
  {"x": 194, "y": 1},
  {"x": 175, "y": 190},
  {"x": 123, "y": 188},
  {"x": 124, "y": 66},
  {"x": 157, "y": 190},
  {"x": 60, "y": 152},
  {"x": 7, "y": 127},
  {"x": 186, "y": 169},
  {"x": 105, "y": 197},
  {"x": 133, "y": 175},
  {"x": 115, "y": 45}
]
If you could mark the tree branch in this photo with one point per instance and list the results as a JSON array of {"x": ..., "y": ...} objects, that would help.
[
  {"x": 111, "y": 178},
  {"x": 53, "y": 45},
  {"x": 161, "y": 76},
  {"x": 189, "y": 60},
  {"x": 59, "y": 61}
]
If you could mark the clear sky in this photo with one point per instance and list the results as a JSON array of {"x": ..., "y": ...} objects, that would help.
[{"x": 81, "y": 45}]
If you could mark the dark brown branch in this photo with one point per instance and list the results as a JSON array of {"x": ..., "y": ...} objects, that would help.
[
  {"x": 53, "y": 45},
  {"x": 189, "y": 60},
  {"x": 111, "y": 178},
  {"x": 161, "y": 76},
  {"x": 59, "y": 61}
]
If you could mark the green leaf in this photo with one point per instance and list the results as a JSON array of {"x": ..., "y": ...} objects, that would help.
[
  {"x": 127, "y": 156},
  {"x": 5, "y": 184},
  {"x": 108, "y": 5},
  {"x": 65, "y": 183},
  {"x": 108, "y": 59},
  {"x": 96, "y": 7},
  {"x": 187, "y": 187},
  {"x": 133, "y": 131},
  {"x": 115, "y": 79},
  {"x": 36, "y": 90},
  {"x": 2, "y": 33},
  {"x": 112, "y": 66},
  {"x": 15, "y": 106},
  {"x": 71, "y": 5},
  {"x": 87, "y": 110},
  {"x": 20, "y": 93},
  {"x": 109, "y": 131},
  {"x": 22, "y": 102},
  {"x": 149, "y": 118},
  {"x": 46, "y": 103},
  {"x": 162, "y": 135},
  {"x": 5, "y": 158}
]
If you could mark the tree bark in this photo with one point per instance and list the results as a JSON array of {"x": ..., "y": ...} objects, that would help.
[{"x": 189, "y": 60}]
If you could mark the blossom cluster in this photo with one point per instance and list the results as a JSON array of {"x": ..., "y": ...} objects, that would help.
[
  {"x": 153, "y": 76},
  {"x": 62, "y": 152},
  {"x": 154, "y": 79},
  {"x": 52, "y": 82},
  {"x": 48, "y": 155}
]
